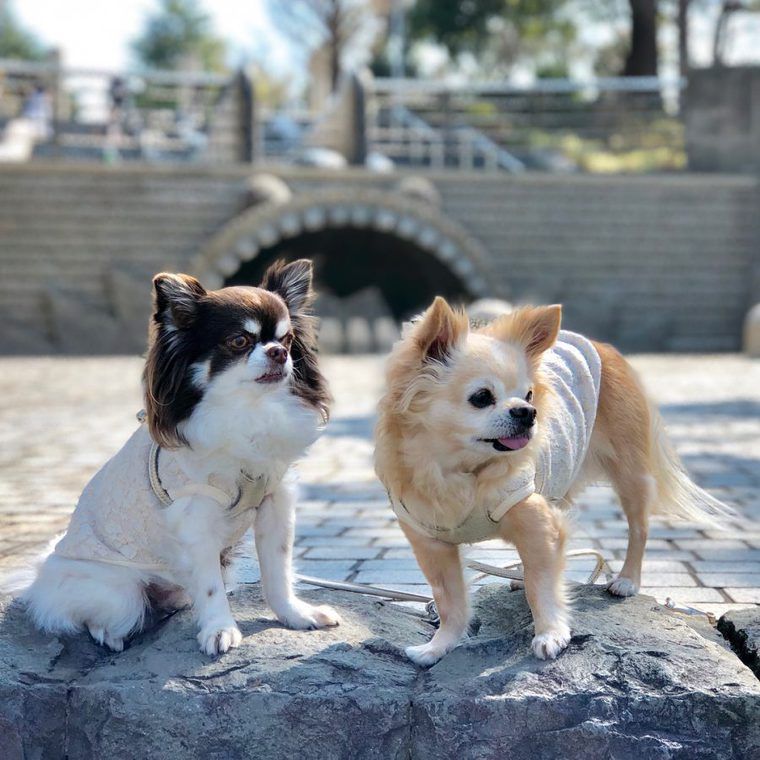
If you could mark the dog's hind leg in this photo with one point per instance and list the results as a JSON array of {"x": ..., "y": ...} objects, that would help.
[
  {"x": 637, "y": 491},
  {"x": 621, "y": 446}
]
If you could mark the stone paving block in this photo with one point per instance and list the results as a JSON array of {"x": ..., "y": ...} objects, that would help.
[
  {"x": 723, "y": 579},
  {"x": 726, "y": 566},
  {"x": 653, "y": 544},
  {"x": 330, "y": 540},
  {"x": 695, "y": 544},
  {"x": 390, "y": 575},
  {"x": 688, "y": 595},
  {"x": 325, "y": 569},
  {"x": 743, "y": 594},
  {"x": 342, "y": 552},
  {"x": 381, "y": 532},
  {"x": 656, "y": 565},
  {"x": 404, "y": 563},
  {"x": 667, "y": 579},
  {"x": 730, "y": 555}
]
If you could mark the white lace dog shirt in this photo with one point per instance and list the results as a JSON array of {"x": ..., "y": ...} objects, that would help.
[
  {"x": 117, "y": 518},
  {"x": 572, "y": 368}
]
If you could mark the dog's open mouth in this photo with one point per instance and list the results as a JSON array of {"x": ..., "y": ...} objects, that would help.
[
  {"x": 508, "y": 444},
  {"x": 271, "y": 377}
]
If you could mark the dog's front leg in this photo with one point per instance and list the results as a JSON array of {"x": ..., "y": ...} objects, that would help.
[
  {"x": 196, "y": 524},
  {"x": 442, "y": 566},
  {"x": 273, "y": 529},
  {"x": 538, "y": 532}
]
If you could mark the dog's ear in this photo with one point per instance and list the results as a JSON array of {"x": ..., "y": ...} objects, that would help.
[
  {"x": 534, "y": 327},
  {"x": 439, "y": 330},
  {"x": 292, "y": 282},
  {"x": 176, "y": 296}
]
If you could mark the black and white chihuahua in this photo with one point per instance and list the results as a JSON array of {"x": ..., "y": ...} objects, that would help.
[{"x": 233, "y": 396}]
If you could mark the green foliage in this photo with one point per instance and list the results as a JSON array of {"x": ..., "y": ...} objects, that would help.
[
  {"x": 17, "y": 42},
  {"x": 498, "y": 32},
  {"x": 458, "y": 25},
  {"x": 178, "y": 32}
]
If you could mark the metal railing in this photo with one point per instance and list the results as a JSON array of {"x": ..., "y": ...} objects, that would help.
[
  {"x": 80, "y": 113},
  {"x": 623, "y": 124}
]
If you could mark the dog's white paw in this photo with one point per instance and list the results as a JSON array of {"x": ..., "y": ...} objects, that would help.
[
  {"x": 547, "y": 645},
  {"x": 305, "y": 617},
  {"x": 425, "y": 654},
  {"x": 622, "y": 587},
  {"x": 103, "y": 637},
  {"x": 218, "y": 637}
]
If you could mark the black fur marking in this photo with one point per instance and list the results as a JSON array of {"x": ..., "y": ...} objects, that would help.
[{"x": 292, "y": 282}]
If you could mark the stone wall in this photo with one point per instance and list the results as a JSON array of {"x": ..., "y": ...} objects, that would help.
[
  {"x": 653, "y": 263},
  {"x": 722, "y": 114}
]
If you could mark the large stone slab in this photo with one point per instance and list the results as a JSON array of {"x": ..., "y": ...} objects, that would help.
[
  {"x": 341, "y": 692},
  {"x": 638, "y": 681}
]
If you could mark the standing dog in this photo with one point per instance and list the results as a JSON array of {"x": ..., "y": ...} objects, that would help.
[
  {"x": 233, "y": 397},
  {"x": 480, "y": 430}
]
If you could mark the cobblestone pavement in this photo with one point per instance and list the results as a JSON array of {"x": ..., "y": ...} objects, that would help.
[{"x": 60, "y": 418}]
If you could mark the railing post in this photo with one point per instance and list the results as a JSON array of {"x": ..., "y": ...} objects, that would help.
[
  {"x": 55, "y": 84},
  {"x": 361, "y": 85},
  {"x": 247, "y": 94}
]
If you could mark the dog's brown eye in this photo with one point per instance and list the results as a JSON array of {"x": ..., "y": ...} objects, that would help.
[
  {"x": 239, "y": 342},
  {"x": 286, "y": 340},
  {"x": 529, "y": 396},
  {"x": 482, "y": 398}
]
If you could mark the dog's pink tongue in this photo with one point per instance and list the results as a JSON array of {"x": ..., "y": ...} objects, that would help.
[{"x": 518, "y": 442}]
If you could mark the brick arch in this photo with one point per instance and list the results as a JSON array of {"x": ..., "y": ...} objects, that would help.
[{"x": 266, "y": 225}]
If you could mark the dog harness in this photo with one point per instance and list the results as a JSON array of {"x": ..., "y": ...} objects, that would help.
[
  {"x": 572, "y": 368},
  {"x": 117, "y": 518}
]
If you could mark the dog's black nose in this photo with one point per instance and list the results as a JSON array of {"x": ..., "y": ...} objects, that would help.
[
  {"x": 277, "y": 354},
  {"x": 525, "y": 414}
]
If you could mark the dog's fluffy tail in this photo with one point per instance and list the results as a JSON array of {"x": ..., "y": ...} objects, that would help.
[{"x": 678, "y": 496}]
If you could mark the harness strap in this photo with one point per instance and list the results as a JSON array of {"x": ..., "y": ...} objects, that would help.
[
  {"x": 251, "y": 491},
  {"x": 201, "y": 489}
]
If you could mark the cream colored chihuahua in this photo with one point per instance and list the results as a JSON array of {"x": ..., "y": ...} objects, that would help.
[{"x": 484, "y": 432}]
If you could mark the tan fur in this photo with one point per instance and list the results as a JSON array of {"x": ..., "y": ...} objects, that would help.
[{"x": 427, "y": 457}]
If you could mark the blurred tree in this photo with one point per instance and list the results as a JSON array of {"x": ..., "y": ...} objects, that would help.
[
  {"x": 501, "y": 32},
  {"x": 642, "y": 57},
  {"x": 720, "y": 36},
  {"x": 180, "y": 30},
  {"x": 17, "y": 42},
  {"x": 498, "y": 32},
  {"x": 332, "y": 24}
]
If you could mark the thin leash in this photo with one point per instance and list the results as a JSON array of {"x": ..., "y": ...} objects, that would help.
[
  {"x": 510, "y": 572},
  {"x": 513, "y": 572}
]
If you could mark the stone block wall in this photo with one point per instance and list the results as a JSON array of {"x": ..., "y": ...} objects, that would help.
[{"x": 652, "y": 263}]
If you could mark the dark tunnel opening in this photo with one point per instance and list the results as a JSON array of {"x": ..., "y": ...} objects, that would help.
[{"x": 368, "y": 282}]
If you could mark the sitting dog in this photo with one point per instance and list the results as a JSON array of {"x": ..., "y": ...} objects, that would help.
[
  {"x": 483, "y": 431},
  {"x": 233, "y": 395}
]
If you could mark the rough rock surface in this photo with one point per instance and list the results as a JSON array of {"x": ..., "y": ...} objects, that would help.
[
  {"x": 742, "y": 629},
  {"x": 637, "y": 682}
]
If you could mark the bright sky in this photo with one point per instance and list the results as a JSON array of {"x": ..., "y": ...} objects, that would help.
[{"x": 97, "y": 33}]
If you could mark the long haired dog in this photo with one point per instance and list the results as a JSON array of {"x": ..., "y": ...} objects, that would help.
[
  {"x": 482, "y": 431},
  {"x": 233, "y": 396}
]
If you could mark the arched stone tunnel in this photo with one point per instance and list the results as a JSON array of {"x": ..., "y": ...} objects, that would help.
[{"x": 379, "y": 259}]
